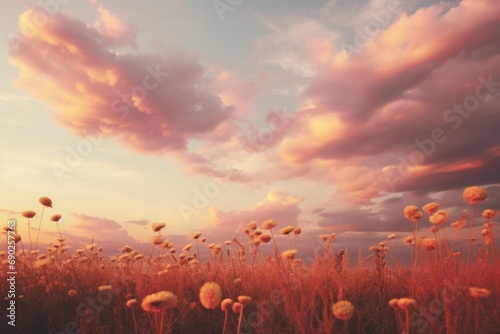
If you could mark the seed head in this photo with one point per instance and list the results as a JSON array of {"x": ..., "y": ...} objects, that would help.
[
  {"x": 474, "y": 195},
  {"x": 343, "y": 310},
  {"x": 210, "y": 295}
]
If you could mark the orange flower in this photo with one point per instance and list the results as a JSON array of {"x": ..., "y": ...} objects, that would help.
[{"x": 45, "y": 201}]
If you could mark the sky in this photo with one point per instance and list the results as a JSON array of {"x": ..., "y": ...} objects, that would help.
[{"x": 207, "y": 115}]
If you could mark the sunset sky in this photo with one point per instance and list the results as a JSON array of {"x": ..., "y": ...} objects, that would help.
[{"x": 206, "y": 115}]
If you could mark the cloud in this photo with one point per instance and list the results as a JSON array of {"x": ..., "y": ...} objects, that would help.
[
  {"x": 386, "y": 118},
  {"x": 99, "y": 85}
]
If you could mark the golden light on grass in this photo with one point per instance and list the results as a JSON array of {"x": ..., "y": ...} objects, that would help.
[
  {"x": 210, "y": 295},
  {"x": 343, "y": 310}
]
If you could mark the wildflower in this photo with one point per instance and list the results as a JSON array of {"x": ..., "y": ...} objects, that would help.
[
  {"x": 187, "y": 247},
  {"x": 289, "y": 254},
  {"x": 435, "y": 229},
  {"x": 373, "y": 249},
  {"x": 381, "y": 244},
  {"x": 244, "y": 300},
  {"x": 431, "y": 208},
  {"x": 252, "y": 225},
  {"x": 210, "y": 295},
  {"x": 196, "y": 235},
  {"x": 393, "y": 302},
  {"x": 203, "y": 239},
  {"x": 55, "y": 218},
  {"x": 42, "y": 263},
  {"x": 391, "y": 236},
  {"x": 156, "y": 227},
  {"x": 343, "y": 310},
  {"x": 45, "y": 201},
  {"x": 268, "y": 224},
  {"x": 159, "y": 301},
  {"x": 287, "y": 230},
  {"x": 474, "y": 195},
  {"x": 324, "y": 237},
  {"x": 127, "y": 249},
  {"x": 226, "y": 304},
  {"x": 439, "y": 217},
  {"x": 227, "y": 242},
  {"x": 237, "y": 307},
  {"x": 488, "y": 213},
  {"x": 28, "y": 214},
  {"x": 405, "y": 303},
  {"x": 411, "y": 213},
  {"x": 157, "y": 240},
  {"x": 297, "y": 231},
  {"x": 265, "y": 238},
  {"x": 237, "y": 281},
  {"x": 131, "y": 302},
  {"x": 409, "y": 239},
  {"x": 138, "y": 257},
  {"x": 72, "y": 293},
  {"x": 429, "y": 244},
  {"x": 476, "y": 292},
  {"x": 105, "y": 288},
  {"x": 91, "y": 246}
]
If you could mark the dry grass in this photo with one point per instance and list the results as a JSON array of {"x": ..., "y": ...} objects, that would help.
[{"x": 287, "y": 295}]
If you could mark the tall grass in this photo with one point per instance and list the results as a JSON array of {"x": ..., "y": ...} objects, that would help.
[{"x": 83, "y": 291}]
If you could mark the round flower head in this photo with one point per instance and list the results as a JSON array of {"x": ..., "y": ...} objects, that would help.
[
  {"x": 159, "y": 301},
  {"x": 289, "y": 254},
  {"x": 431, "y": 208},
  {"x": 156, "y": 227},
  {"x": 45, "y": 201},
  {"x": 405, "y": 303},
  {"x": 105, "y": 288},
  {"x": 196, "y": 235},
  {"x": 287, "y": 230},
  {"x": 244, "y": 300},
  {"x": 391, "y": 236},
  {"x": 411, "y": 213},
  {"x": 56, "y": 217},
  {"x": 265, "y": 238},
  {"x": 488, "y": 213},
  {"x": 252, "y": 225},
  {"x": 343, "y": 310},
  {"x": 72, "y": 293},
  {"x": 429, "y": 244},
  {"x": 439, "y": 217},
  {"x": 324, "y": 237},
  {"x": 237, "y": 307},
  {"x": 131, "y": 302},
  {"x": 28, "y": 214},
  {"x": 210, "y": 295},
  {"x": 297, "y": 231},
  {"x": 187, "y": 247},
  {"x": 226, "y": 304},
  {"x": 476, "y": 292},
  {"x": 393, "y": 302},
  {"x": 474, "y": 195},
  {"x": 268, "y": 224}
]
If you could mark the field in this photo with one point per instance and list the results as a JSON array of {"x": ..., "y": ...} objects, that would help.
[{"x": 248, "y": 285}]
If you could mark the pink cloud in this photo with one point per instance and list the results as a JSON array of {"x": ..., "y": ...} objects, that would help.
[
  {"x": 153, "y": 103},
  {"x": 362, "y": 116}
]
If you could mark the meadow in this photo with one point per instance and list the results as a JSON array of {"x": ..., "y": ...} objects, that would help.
[{"x": 249, "y": 285}]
